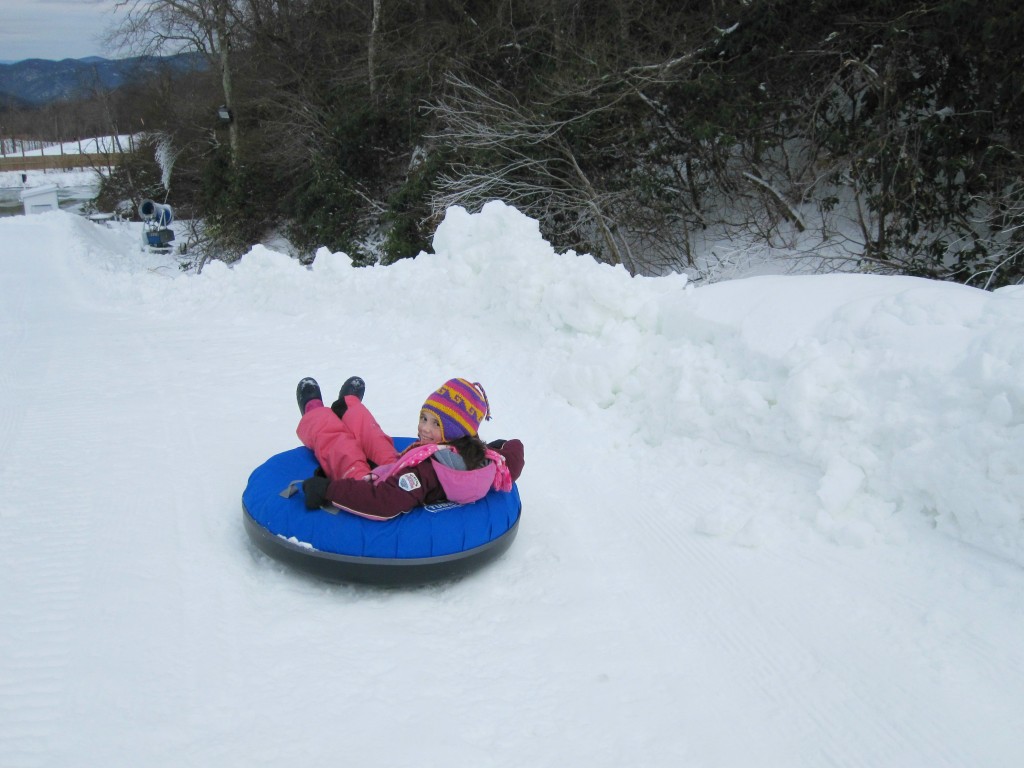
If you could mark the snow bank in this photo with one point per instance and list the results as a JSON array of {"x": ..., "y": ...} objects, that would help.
[
  {"x": 896, "y": 399},
  {"x": 905, "y": 394}
]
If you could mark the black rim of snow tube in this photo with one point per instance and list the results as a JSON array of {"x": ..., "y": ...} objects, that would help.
[{"x": 375, "y": 570}]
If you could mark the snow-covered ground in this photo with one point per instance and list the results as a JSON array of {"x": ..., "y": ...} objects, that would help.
[
  {"x": 78, "y": 177},
  {"x": 99, "y": 144},
  {"x": 74, "y": 188},
  {"x": 767, "y": 522}
]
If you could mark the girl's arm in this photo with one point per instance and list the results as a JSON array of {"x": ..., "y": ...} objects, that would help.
[
  {"x": 512, "y": 450},
  {"x": 410, "y": 488}
]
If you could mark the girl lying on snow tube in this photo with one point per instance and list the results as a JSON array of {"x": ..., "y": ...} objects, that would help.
[
  {"x": 440, "y": 507},
  {"x": 362, "y": 473}
]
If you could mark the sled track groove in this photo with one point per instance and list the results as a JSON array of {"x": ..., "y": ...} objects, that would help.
[
  {"x": 14, "y": 355},
  {"x": 42, "y": 570},
  {"x": 47, "y": 430}
]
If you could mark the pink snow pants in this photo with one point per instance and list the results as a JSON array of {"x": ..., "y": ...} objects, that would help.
[{"x": 344, "y": 447}]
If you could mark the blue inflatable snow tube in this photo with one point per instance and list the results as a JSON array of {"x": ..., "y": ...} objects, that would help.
[{"x": 426, "y": 544}]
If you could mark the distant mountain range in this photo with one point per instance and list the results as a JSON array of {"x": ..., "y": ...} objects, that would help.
[{"x": 35, "y": 82}]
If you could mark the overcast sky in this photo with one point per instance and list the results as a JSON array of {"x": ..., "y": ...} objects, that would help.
[{"x": 54, "y": 29}]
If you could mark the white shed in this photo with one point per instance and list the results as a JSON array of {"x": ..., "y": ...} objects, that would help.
[{"x": 40, "y": 199}]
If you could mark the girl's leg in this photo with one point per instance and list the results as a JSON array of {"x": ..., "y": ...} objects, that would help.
[
  {"x": 374, "y": 443},
  {"x": 335, "y": 445}
]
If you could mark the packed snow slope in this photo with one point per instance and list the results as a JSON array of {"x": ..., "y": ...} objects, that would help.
[{"x": 767, "y": 522}]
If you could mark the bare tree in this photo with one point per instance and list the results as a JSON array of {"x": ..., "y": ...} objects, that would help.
[
  {"x": 174, "y": 26},
  {"x": 536, "y": 166}
]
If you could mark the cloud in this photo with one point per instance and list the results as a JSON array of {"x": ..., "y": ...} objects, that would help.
[{"x": 54, "y": 29}]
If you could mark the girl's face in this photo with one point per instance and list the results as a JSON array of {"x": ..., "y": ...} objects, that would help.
[{"x": 430, "y": 428}]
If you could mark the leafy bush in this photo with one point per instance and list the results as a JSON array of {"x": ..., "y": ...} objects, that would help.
[
  {"x": 238, "y": 203},
  {"x": 627, "y": 128}
]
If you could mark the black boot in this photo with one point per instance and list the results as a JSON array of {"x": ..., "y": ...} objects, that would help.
[
  {"x": 352, "y": 386},
  {"x": 307, "y": 390}
]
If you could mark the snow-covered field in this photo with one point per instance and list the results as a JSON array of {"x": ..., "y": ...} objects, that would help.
[
  {"x": 74, "y": 188},
  {"x": 767, "y": 522},
  {"x": 78, "y": 177},
  {"x": 99, "y": 144}
]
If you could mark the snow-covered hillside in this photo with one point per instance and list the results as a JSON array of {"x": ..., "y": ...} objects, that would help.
[{"x": 767, "y": 522}]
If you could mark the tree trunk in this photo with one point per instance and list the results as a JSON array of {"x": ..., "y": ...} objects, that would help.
[
  {"x": 373, "y": 47},
  {"x": 224, "y": 45}
]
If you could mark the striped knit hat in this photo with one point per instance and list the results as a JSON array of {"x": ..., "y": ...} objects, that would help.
[{"x": 460, "y": 405}]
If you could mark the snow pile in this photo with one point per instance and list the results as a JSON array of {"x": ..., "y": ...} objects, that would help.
[
  {"x": 905, "y": 395},
  {"x": 897, "y": 397},
  {"x": 893, "y": 398}
]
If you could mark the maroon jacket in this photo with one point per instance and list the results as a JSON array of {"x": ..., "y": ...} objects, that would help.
[{"x": 400, "y": 493}]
